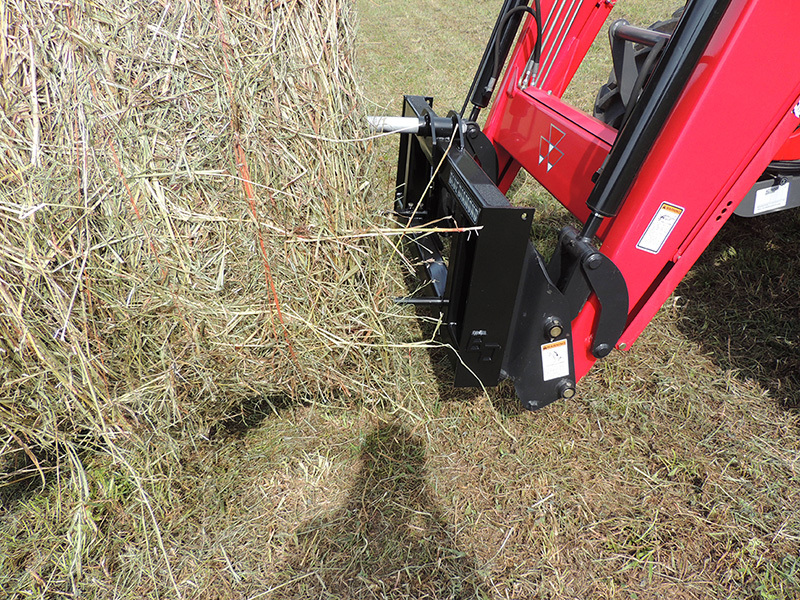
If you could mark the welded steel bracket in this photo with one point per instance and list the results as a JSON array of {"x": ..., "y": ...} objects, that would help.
[
  {"x": 578, "y": 268},
  {"x": 502, "y": 315}
]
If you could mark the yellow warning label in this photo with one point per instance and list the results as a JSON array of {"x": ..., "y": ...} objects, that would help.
[
  {"x": 676, "y": 210},
  {"x": 552, "y": 345},
  {"x": 555, "y": 360},
  {"x": 661, "y": 226}
]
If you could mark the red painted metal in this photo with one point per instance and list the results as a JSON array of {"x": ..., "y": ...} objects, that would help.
[
  {"x": 735, "y": 115},
  {"x": 570, "y": 27},
  {"x": 791, "y": 149},
  {"x": 701, "y": 161},
  {"x": 559, "y": 145}
]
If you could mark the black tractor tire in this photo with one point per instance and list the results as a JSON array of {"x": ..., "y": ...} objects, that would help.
[{"x": 610, "y": 108}]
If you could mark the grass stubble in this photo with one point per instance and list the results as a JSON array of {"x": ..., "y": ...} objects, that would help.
[{"x": 214, "y": 418}]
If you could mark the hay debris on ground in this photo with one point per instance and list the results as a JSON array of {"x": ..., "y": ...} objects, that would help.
[
  {"x": 152, "y": 440},
  {"x": 187, "y": 230}
]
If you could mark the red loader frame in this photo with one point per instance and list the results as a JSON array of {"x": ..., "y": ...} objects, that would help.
[{"x": 722, "y": 104}]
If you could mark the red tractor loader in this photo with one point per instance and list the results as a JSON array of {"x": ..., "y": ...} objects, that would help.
[{"x": 699, "y": 120}]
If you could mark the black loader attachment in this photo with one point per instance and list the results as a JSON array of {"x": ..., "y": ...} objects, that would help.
[
  {"x": 505, "y": 312},
  {"x": 653, "y": 176}
]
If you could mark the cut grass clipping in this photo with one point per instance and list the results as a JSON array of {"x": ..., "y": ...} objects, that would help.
[{"x": 186, "y": 229}]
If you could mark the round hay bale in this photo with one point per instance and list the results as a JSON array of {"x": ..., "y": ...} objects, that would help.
[{"x": 186, "y": 217}]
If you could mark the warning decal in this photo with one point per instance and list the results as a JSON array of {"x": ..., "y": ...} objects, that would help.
[
  {"x": 660, "y": 228},
  {"x": 772, "y": 198},
  {"x": 555, "y": 360}
]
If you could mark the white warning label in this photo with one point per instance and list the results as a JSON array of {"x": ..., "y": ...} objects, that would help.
[
  {"x": 771, "y": 198},
  {"x": 555, "y": 360},
  {"x": 660, "y": 228}
]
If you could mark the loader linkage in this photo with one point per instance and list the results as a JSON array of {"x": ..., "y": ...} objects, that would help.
[
  {"x": 503, "y": 312},
  {"x": 651, "y": 186}
]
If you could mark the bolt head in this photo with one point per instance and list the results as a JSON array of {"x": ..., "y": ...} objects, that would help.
[
  {"x": 594, "y": 261},
  {"x": 553, "y": 328},
  {"x": 566, "y": 389},
  {"x": 601, "y": 350}
]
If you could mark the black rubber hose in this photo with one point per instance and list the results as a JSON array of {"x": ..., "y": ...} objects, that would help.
[
  {"x": 537, "y": 51},
  {"x": 783, "y": 167}
]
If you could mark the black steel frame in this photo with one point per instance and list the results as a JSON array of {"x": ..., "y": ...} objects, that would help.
[{"x": 502, "y": 315}]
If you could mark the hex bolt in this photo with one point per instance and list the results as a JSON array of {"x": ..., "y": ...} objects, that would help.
[
  {"x": 566, "y": 389},
  {"x": 601, "y": 350},
  {"x": 553, "y": 327}
]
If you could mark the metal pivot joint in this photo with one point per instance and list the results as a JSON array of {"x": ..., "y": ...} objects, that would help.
[
  {"x": 579, "y": 270},
  {"x": 667, "y": 158}
]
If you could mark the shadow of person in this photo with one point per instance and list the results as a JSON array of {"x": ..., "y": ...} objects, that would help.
[{"x": 389, "y": 540}]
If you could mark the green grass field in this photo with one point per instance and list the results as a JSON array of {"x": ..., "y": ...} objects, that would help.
[{"x": 674, "y": 474}]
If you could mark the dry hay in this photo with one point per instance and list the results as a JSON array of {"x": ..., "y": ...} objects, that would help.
[
  {"x": 188, "y": 232},
  {"x": 186, "y": 220}
]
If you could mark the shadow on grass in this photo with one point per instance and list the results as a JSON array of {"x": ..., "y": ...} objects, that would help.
[
  {"x": 742, "y": 302},
  {"x": 250, "y": 414},
  {"x": 24, "y": 472},
  {"x": 28, "y": 469},
  {"x": 389, "y": 540},
  {"x": 442, "y": 359}
]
